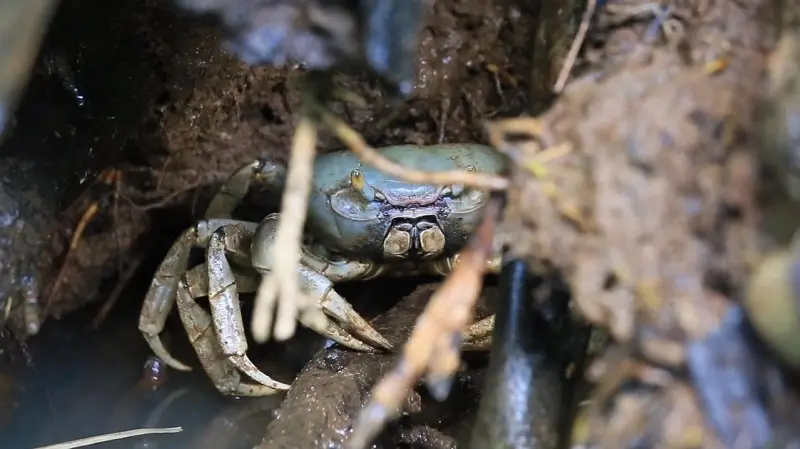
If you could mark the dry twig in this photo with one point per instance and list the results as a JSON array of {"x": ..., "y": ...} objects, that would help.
[
  {"x": 577, "y": 43},
  {"x": 123, "y": 281},
  {"x": 107, "y": 177},
  {"x": 83, "y": 442},
  {"x": 282, "y": 284},
  {"x": 434, "y": 346},
  {"x": 369, "y": 156}
]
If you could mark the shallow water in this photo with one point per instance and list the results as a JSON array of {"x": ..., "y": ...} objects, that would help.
[
  {"x": 74, "y": 381},
  {"x": 78, "y": 382}
]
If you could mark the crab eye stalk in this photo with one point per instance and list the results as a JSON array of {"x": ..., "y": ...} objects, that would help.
[
  {"x": 359, "y": 183},
  {"x": 357, "y": 180}
]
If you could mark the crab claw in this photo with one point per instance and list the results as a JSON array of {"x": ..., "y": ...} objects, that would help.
[
  {"x": 337, "y": 333},
  {"x": 157, "y": 305},
  {"x": 335, "y": 306},
  {"x": 157, "y": 346}
]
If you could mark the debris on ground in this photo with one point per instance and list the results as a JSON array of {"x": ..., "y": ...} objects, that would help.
[{"x": 327, "y": 395}]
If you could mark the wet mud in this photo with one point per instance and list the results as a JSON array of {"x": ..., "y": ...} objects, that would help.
[
  {"x": 319, "y": 410},
  {"x": 654, "y": 221}
]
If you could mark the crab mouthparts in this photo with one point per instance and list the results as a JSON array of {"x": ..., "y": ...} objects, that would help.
[{"x": 414, "y": 237}]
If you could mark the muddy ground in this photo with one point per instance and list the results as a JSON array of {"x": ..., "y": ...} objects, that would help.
[{"x": 656, "y": 197}]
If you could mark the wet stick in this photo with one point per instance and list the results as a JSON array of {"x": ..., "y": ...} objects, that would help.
[
  {"x": 434, "y": 346},
  {"x": 521, "y": 398},
  {"x": 371, "y": 157}
]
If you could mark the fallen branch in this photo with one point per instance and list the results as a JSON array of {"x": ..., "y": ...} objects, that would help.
[
  {"x": 370, "y": 156},
  {"x": 281, "y": 286},
  {"x": 575, "y": 48},
  {"x": 435, "y": 344},
  {"x": 83, "y": 442}
]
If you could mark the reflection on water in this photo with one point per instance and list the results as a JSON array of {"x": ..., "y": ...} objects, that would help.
[{"x": 83, "y": 382}]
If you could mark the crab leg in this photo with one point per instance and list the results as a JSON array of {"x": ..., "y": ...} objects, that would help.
[
  {"x": 200, "y": 329},
  {"x": 221, "y": 371},
  {"x": 160, "y": 296},
  {"x": 478, "y": 336},
  {"x": 237, "y": 186},
  {"x": 226, "y": 313},
  {"x": 231, "y": 239},
  {"x": 335, "y": 306},
  {"x": 197, "y": 278},
  {"x": 315, "y": 280}
]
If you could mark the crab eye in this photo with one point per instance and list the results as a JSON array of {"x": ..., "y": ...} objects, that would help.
[
  {"x": 357, "y": 179},
  {"x": 359, "y": 183}
]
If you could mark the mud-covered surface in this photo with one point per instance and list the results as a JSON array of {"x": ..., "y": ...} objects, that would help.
[
  {"x": 28, "y": 200},
  {"x": 319, "y": 410},
  {"x": 654, "y": 219},
  {"x": 82, "y": 106},
  {"x": 653, "y": 223}
]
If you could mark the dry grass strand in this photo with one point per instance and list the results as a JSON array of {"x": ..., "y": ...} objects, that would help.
[
  {"x": 83, "y": 442},
  {"x": 370, "y": 156},
  {"x": 279, "y": 296}
]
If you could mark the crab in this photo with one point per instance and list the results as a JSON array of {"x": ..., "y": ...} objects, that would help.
[{"x": 361, "y": 224}]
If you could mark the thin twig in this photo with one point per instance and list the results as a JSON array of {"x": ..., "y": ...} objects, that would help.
[
  {"x": 434, "y": 345},
  {"x": 282, "y": 284},
  {"x": 577, "y": 43},
  {"x": 107, "y": 178},
  {"x": 111, "y": 437},
  {"x": 124, "y": 279},
  {"x": 369, "y": 156},
  {"x": 163, "y": 201}
]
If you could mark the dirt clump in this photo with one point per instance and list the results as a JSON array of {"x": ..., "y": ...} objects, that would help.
[{"x": 648, "y": 207}]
